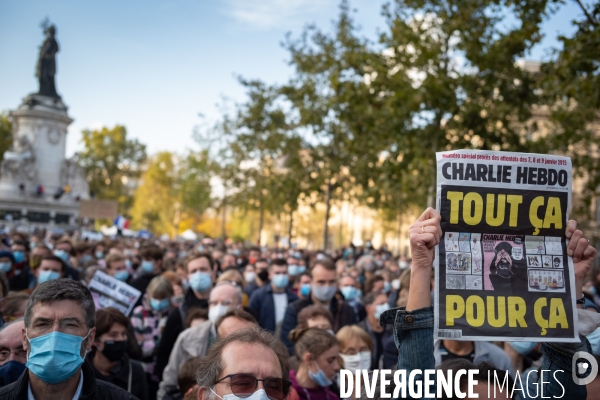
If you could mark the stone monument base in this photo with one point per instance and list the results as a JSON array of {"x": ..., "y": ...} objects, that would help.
[{"x": 42, "y": 212}]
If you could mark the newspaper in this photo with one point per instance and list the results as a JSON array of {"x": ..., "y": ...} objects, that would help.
[
  {"x": 110, "y": 292},
  {"x": 501, "y": 268}
]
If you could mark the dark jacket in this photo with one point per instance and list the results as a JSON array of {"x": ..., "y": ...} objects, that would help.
[
  {"x": 389, "y": 353},
  {"x": 21, "y": 281},
  {"x": 141, "y": 282},
  {"x": 120, "y": 375},
  {"x": 342, "y": 313},
  {"x": 173, "y": 327},
  {"x": 263, "y": 305},
  {"x": 92, "y": 388}
]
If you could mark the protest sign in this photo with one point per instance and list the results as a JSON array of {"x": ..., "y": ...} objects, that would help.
[
  {"x": 110, "y": 292},
  {"x": 501, "y": 268}
]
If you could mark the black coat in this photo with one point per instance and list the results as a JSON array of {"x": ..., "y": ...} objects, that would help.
[
  {"x": 343, "y": 314},
  {"x": 92, "y": 388},
  {"x": 174, "y": 326},
  {"x": 120, "y": 377}
]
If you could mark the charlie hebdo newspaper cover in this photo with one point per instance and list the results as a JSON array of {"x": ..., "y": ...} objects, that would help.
[{"x": 502, "y": 270}]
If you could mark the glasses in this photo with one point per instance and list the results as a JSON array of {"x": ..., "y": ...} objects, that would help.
[{"x": 243, "y": 385}]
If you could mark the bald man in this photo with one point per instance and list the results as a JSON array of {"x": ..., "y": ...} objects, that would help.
[
  {"x": 194, "y": 342},
  {"x": 12, "y": 355}
]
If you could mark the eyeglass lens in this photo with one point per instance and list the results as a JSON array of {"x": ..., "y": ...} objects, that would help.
[{"x": 243, "y": 385}]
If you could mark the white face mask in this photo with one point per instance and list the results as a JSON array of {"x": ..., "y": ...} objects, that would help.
[
  {"x": 365, "y": 360},
  {"x": 214, "y": 312},
  {"x": 351, "y": 362},
  {"x": 258, "y": 395},
  {"x": 250, "y": 276},
  {"x": 396, "y": 284}
]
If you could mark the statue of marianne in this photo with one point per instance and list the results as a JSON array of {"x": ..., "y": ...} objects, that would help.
[{"x": 46, "y": 65}]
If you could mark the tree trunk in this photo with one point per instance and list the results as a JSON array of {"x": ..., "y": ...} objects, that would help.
[
  {"x": 261, "y": 219},
  {"x": 290, "y": 229},
  {"x": 341, "y": 232},
  {"x": 177, "y": 220},
  {"x": 327, "y": 211},
  {"x": 223, "y": 221}
]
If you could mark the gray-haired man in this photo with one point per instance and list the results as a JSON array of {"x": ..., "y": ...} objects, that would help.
[{"x": 60, "y": 321}]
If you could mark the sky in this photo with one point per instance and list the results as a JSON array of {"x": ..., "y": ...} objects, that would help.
[{"x": 162, "y": 67}]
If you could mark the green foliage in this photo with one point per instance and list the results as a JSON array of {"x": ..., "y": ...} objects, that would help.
[
  {"x": 172, "y": 190},
  {"x": 193, "y": 181},
  {"x": 361, "y": 121},
  {"x": 6, "y": 137},
  {"x": 111, "y": 160},
  {"x": 570, "y": 87}
]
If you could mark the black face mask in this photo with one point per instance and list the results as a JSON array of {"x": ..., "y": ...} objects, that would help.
[
  {"x": 263, "y": 275},
  {"x": 114, "y": 349}
]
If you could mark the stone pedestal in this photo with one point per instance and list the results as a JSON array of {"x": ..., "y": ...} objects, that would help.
[{"x": 37, "y": 160}]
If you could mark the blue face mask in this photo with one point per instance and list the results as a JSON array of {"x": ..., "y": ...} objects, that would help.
[
  {"x": 63, "y": 255},
  {"x": 122, "y": 275},
  {"x": 380, "y": 309},
  {"x": 200, "y": 281},
  {"x": 87, "y": 258},
  {"x": 6, "y": 267},
  {"x": 293, "y": 269},
  {"x": 349, "y": 292},
  {"x": 594, "y": 339},
  {"x": 47, "y": 276},
  {"x": 319, "y": 377},
  {"x": 523, "y": 348},
  {"x": 55, "y": 357},
  {"x": 387, "y": 287},
  {"x": 147, "y": 267},
  {"x": 19, "y": 256},
  {"x": 99, "y": 255},
  {"x": 159, "y": 305},
  {"x": 281, "y": 281},
  {"x": 305, "y": 289}
]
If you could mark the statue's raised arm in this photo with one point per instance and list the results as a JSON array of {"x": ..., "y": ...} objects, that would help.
[{"x": 46, "y": 65}]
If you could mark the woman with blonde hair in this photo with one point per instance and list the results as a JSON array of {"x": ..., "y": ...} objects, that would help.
[
  {"x": 356, "y": 347},
  {"x": 318, "y": 352}
]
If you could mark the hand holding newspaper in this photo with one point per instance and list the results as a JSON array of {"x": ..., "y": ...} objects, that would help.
[{"x": 502, "y": 268}]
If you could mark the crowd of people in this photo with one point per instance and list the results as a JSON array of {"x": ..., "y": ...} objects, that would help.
[{"x": 220, "y": 319}]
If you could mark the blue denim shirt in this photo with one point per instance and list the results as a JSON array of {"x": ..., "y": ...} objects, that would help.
[{"x": 413, "y": 334}]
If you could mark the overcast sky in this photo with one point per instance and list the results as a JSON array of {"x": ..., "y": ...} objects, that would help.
[{"x": 153, "y": 65}]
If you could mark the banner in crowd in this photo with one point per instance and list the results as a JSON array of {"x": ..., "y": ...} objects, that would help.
[
  {"x": 501, "y": 268},
  {"x": 110, "y": 292}
]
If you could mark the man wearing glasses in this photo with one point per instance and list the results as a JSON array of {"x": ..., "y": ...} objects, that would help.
[{"x": 247, "y": 364}]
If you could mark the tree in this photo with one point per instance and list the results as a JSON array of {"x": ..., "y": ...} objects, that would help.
[
  {"x": 466, "y": 89},
  {"x": 173, "y": 190},
  {"x": 110, "y": 160},
  {"x": 259, "y": 153},
  {"x": 6, "y": 137},
  {"x": 331, "y": 103},
  {"x": 193, "y": 181},
  {"x": 570, "y": 87},
  {"x": 155, "y": 199}
]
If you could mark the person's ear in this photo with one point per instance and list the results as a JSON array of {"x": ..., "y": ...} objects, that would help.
[
  {"x": 203, "y": 393},
  {"x": 91, "y": 339},
  {"x": 24, "y": 340},
  {"x": 307, "y": 358}
]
